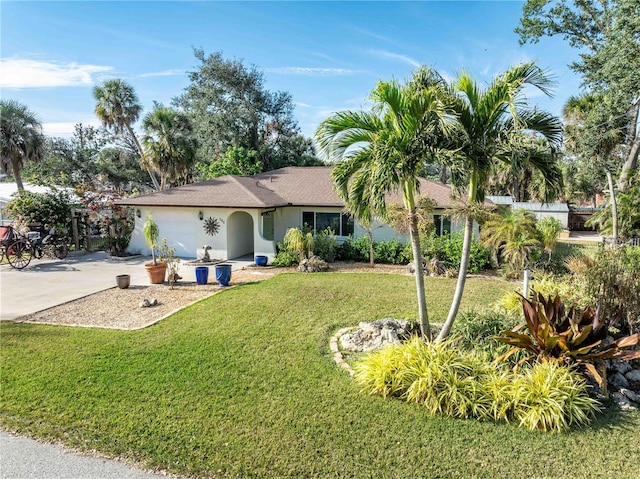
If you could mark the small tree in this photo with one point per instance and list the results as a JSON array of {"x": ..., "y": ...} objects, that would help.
[
  {"x": 151, "y": 235},
  {"x": 297, "y": 241},
  {"x": 549, "y": 229}
]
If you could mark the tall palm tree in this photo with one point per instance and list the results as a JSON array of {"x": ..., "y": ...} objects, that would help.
[
  {"x": 380, "y": 151},
  {"x": 168, "y": 144},
  {"x": 589, "y": 134},
  {"x": 118, "y": 108},
  {"x": 487, "y": 120},
  {"x": 21, "y": 136}
]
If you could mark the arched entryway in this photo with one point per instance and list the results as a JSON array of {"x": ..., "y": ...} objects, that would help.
[{"x": 239, "y": 235}]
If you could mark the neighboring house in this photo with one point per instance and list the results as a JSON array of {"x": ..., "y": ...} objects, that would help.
[
  {"x": 560, "y": 211},
  {"x": 254, "y": 212}
]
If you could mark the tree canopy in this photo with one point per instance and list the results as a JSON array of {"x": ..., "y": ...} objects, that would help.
[
  {"x": 606, "y": 32},
  {"x": 230, "y": 106}
]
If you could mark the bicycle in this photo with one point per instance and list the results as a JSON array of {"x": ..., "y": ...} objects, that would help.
[{"x": 52, "y": 245}]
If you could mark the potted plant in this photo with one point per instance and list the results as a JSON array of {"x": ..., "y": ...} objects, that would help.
[
  {"x": 155, "y": 269},
  {"x": 168, "y": 256}
]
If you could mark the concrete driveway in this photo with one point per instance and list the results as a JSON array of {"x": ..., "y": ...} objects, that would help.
[{"x": 47, "y": 283}]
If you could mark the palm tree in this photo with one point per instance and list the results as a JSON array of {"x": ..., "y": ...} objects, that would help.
[
  {"x": 118, "y": 108},
  {"x": 592, "y": 135},
  {"x": 21, "y": 136},
  {"x": 169, "y": 146},
  {"x": 487, "y": 120},
  {"x": 511, "y": 235},
  {"x": 381, "y": 151}
]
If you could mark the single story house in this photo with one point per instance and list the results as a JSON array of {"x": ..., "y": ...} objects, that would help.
[{"x": 254, "y": 212}]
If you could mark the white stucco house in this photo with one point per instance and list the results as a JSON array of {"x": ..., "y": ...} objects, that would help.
[{"x": 254, "y": 212}]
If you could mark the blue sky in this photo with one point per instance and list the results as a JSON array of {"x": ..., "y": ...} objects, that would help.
[{"x": 328, "y": 55}]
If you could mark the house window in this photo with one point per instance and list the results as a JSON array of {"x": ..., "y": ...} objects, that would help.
[
  {"x": 267, "y": 225},
  {"x": 443, "y": 225},
  {"x": 342, "y": 224}
]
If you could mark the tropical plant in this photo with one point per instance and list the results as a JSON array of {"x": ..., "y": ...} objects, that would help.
[
  {"x": 447, "y": 380},
  {"x": 118, "y": 108},
  {"x": 299, "y": 242},
  {"x": 553, "y": 334},
  {"x": 476, "y": 331},
  {"x": 168, "y": 144},
  {"x": 284, "y": 257},
  {"x": 151, "y": 235},
  {"x": 487, "y": 120},
  {"x": 511, "y": 236},
  {"x": 325, "y": 245},
  {"x": 21, "y": 138},
  {"x": 168, "y": 256},
  {"x": 550, "y": 397},
  {"x": 384, "y": 150},
  {"x": 549, "y": 229}
]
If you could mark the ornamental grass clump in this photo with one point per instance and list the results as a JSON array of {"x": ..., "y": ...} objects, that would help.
[
  {"x": 552, "y": 397},
  {"x": 449, "y": 381}
]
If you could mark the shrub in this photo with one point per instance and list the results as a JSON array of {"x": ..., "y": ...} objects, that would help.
[
  {"x": 325, "y": 245},
  {"x": 390, "y": 252},
  {"x": 553, "y": 333},
  {"x": 551, "y": 397},
  {"x": 448, "y": 249},
  {"x": 476, "y": 331},
  {"x": 284, "y": 257},
  {"x": 47, "y": 210},
  {"x": 449, "y": 381}
]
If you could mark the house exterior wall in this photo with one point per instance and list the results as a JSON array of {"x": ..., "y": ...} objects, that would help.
[
  {"x": 237, "y": 236},
  {"x": 185, "y": 231}
]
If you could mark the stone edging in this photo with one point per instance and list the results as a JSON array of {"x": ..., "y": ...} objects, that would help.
[{"x": 337, "y": 355}]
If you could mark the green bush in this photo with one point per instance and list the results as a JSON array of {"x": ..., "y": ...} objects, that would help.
[
  {"x": 552, "y": 397},
  {"x": 325, "y": 245},
  {"x": 284, "y": 257},
  {"x": 448, "y": 249},
  {"x": 475, "y": 331},
  {"x": 447, "y": 380},
  {"x": 389, "y": 252},
  {"x": 48, "y": 210}
]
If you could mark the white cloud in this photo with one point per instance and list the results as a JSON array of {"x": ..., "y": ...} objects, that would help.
[
  {"x": 312, "y": 71},
  {"x": 395, "y": 56},
  {"x": 165, "y": 73},
  {"x": 23, "y": 73},
  {"x": 65, "y": 129}
]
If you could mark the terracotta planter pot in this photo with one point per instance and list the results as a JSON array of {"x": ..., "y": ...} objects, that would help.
[{"x": 156, "y": 272}]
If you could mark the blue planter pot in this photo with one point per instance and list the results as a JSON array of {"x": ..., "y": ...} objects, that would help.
[
  {"x": 223, "y": 274},
  {"x": 261, "y": 260},
  {"x": 202, "y": 274}
]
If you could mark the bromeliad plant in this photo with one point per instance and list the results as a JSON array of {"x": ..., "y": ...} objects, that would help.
[{"x": 553, "y": 334}]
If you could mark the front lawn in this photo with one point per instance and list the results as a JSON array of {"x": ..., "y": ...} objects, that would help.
[{"x": 243, "y": 385}]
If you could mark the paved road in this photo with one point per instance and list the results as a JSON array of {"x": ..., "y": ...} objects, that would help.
[{"x": 22, "y": 458}]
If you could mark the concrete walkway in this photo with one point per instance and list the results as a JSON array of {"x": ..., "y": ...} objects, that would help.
[{"x": 44, "y": 284}]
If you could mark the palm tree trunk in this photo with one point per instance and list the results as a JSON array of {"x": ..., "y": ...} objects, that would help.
[
  {"x": 425, "y": 328},
  {"x": 371, "y": 251},
  {"x": 634, "y": 148},
  {"x": 15, "y": 167},
  {"x": 462, "y": 279},
  {"x": 614, "y": 207},
  {"x": 154, "y": 180}
]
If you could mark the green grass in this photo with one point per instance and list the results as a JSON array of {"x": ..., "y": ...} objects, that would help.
[{"x": 243, "y": 385}]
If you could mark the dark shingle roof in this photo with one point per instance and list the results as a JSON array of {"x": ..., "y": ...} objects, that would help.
[{"x": 297, "y": 186}]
